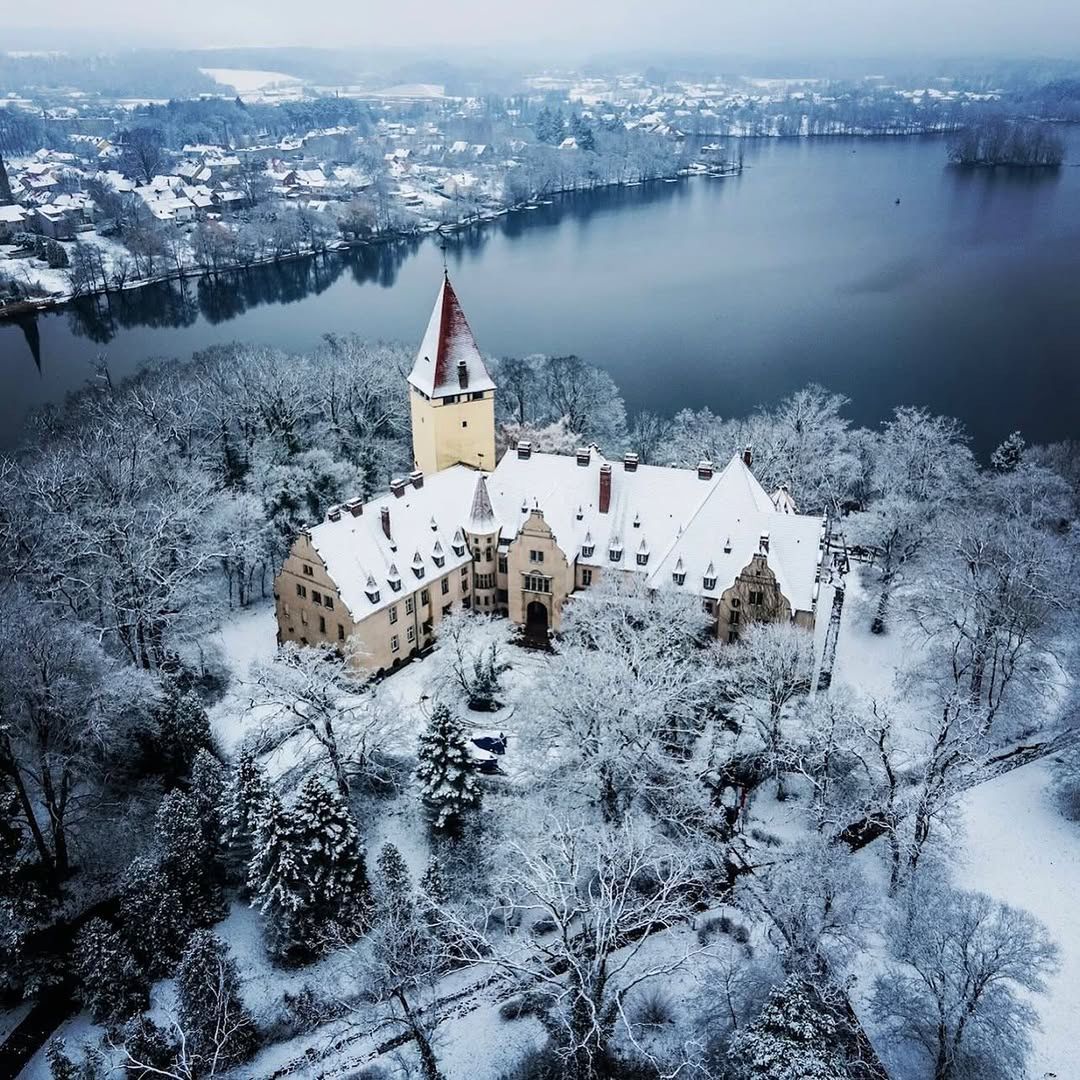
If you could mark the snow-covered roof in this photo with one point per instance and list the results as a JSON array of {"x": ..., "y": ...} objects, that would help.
[
  {"x": 12, "y": 214},
  {"x": 448, "y": 343},
  {"x": 697, "y": 523}
]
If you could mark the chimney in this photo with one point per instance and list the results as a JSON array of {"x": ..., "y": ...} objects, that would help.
[
  {"x": 463, "y": 374},
  {"x": 397, "y": 487},
  {"x": 416, "y": 478},
  {"x": 630, "y": 461},
  {"x": 748, "y": 455},
  {"x": 583, "y": 455},
  {"x": 355, "y": 507},
  {"x": 605, "y": 488},
  {"x": 704, "y": 469},
  {"x": 524, "y": 449},
  {"x": 385, "y": 515},
  {"x": 334, "y": 513}
]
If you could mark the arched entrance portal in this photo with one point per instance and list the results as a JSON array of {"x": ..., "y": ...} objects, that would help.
[{"x": 536, "y": 623}]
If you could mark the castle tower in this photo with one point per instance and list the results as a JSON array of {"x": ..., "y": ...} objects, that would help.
[{"x": 451, "y": 394}]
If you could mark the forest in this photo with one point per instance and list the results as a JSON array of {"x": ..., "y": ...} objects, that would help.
[{"x": 244, "y": 861}]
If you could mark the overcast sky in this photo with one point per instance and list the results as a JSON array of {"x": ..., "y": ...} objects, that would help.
[{"x": 763, "y": 27}]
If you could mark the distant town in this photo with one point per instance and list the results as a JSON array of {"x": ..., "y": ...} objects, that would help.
[{"x": 102, "y": 192}]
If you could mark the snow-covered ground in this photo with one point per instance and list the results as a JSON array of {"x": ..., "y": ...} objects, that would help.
[
  {"x": 1021, "y": 850},
  {"x": 246, "y": 81}
]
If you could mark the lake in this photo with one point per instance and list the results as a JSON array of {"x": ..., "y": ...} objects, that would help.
[{"x": 964, "y": 296}]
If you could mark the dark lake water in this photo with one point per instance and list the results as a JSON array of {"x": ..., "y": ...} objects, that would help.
[{"x": 964, "y": 297}]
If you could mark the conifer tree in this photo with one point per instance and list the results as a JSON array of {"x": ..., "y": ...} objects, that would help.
[
  {"x": 184, "y": 729},
  {"x": 1009, "y": 454},
  {"x": 218, "y": 1029},
  {"x": 111, "y": 985},
  {"x": 432, "y": 884},
  {"x": 395, "y": 892},
  {"x": 61, "y": 1067},
  {"x": 191, "y": 860},
  {"x": 152, "y": 914},
  {"x": 449, "y": 788},
  {"x": 308, "y": 873},
  {"x": 247, "y": 797},
  {"x": 208, "y": 793}
]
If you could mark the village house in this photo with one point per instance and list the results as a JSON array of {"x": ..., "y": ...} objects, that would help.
[{"x": 519, "y": 537}]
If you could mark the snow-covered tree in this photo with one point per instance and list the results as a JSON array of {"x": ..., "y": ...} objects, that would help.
[
  {"x": 470, "y": 657},
  {"x": 247, "y": 792},
  {"x": 1008, "y": 455},
  {"x": 605, "y": 892},
  {"x": 621, "y": 699},
  {"x": 183, "y": 730},
  {"x": 308, "y": 874},
  {"x": 218, "y": 1031},
  {"x": 958, "y": 988},
  {"x": 315, "y": 699},
  {"x": 449, "y": 788},
  {"x": 111, "y": 985},
  {"x": 153, "y": 915},
  {"x": 798, "y": 1035},
  {"x": 767, "y": 677}
]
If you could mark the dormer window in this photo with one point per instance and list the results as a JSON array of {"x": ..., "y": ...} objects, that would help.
[
  {"x": 393, "y": 578},
  {"x": 438, "y": 556},
  {"x": 434, "y": 525},
  {"x": 587, "y": 546},
  {"x": 727, "y": 546},
  {"x": 637, "y": 521},
  {"x": 709, "y": 581},
  {"x": 678, "y": 575},
  {"x": 643, "y": 553},
  {"x": 458, "y": 543},
  {"x": 418, "y": 565},
  {"x": 580, "y": 513},
  {"x": 615, "y": 550},
  {"x": 371, "y": 590}
]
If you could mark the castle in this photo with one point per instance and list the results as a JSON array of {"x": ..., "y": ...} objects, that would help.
[{"x": 517, "y": 537}]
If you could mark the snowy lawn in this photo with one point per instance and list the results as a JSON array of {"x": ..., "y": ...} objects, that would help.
[{"x": 1019, "y": 849}]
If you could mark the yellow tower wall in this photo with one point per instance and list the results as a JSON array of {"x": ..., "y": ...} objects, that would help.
[{"x": 453, "y": 430}]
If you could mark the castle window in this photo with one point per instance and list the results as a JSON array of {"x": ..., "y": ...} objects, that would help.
[
  {"x": 709, "y": 583},
  {"x": 316, "y": 596},
  {"x": 643, "y": 558},
  {"x": 322, "y": 625},
  {"x": 735, "y": 617},
  {"x": 408, "y": 605},
  {"x": 479, "y": 394},
  {"x": 393, "y": 614},
  {"x": 410, "y": 635},
  {"x": 536, "y": 556},
  {"x": 503, "y": 565},
  {"x": 732, "y": 637},
  {"x": 709, "y": 607},
  {"x": 586, "y": 577},
  {"x": 301, "y": 590},
  {"x": 329, "y": 602},
  {"x": 340, "y": 632},
  {"x": 445, "y": 585},
  {"x": 537, "y": 583},
  {"x": 757, "y": 596},
  {"x": 394, "y": 644},
  {"x": 464, "y": 423},
  {"x": 447, "y": 609},
  {"x": 615, "y": 553},
  {"x": 736, "y": 602},
  {"x": 425, "y": 597},
  {"x": 309, "y": 571}
]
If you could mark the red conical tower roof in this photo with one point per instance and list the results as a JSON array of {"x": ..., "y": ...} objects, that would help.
[{"x": 449, "y": 361}]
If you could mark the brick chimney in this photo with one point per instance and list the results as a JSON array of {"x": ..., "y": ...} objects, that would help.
[
  {"x": 704, "y": 469},
  {"x": 355, "y": 507},
  {"x": 463, "y": 374},
  {"x": 748, "y": 455},
  {"x": 524, "y": 449},
  {"x": 416, "y": 478},
  {"x": 605, "y": 488},
  {"x": 397, "y": 487},
  {"x": 630, "y": 461},
  {"x": 385, "y": 515}
]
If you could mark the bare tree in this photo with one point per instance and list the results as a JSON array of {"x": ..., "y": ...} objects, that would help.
[{"x": 956, "y": 986}]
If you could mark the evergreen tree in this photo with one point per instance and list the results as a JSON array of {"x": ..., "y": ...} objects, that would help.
[
  {"x": 1009, "y": 454},
  {"x": 308, "y": 873},
  {"x": 208, "y": 793},
  {"x": 248, "y": 794},
  {"x": 190, "y": 860},
  {"x": 152, "y": 915},
  {"x": 149, "y": 1045},
  {"x": 218, "y": 1028},
  {"x": 432, "y": 884},
  {"x": 798, "y": 1035},
  {"x": 586, "y": 140},
  {"x": 184, "y": 729},
  {"x": 111, "y": 985},
  {"x": 449, "y": 787},
  {"x": 395, "y": 892},
  {"x": 61, "y": 1067}
]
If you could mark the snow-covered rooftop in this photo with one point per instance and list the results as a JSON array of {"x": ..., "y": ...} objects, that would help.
[{"x": 448, "y": 343}]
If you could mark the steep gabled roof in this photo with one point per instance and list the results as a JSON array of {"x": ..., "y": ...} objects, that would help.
[{"x": 447, "y": 343}]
